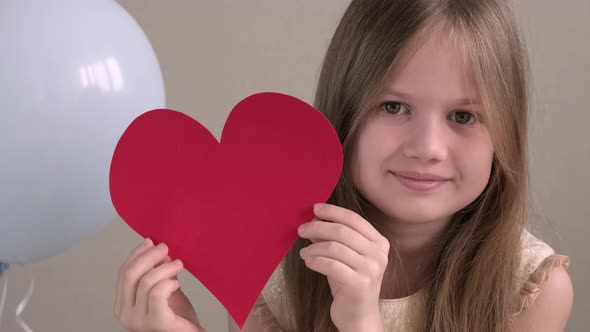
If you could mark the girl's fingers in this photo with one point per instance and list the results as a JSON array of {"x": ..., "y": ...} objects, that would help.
[
  {"x": 336, "y": 251},
  {"x": 158, "y": 297},
  {"x": 332, "y": 269},
  {"x": 136, "y": 269},
  {"x": 163, "y": 272},
  {"x": 351, "y": 219},
  {"x": 167, "y": 260},
  {"x": 144, "y": 245},
  {"x": 314, "y": 240},
  {"x": 330, "y": 231}
]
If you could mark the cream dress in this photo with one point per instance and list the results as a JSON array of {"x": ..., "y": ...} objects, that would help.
[{"x": 401, "y": 314}]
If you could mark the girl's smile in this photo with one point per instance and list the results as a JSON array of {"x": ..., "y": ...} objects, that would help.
[{"x": 420, "y": 182}]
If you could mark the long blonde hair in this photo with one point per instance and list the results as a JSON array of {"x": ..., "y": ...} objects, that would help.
[{"x": 473, "y": 287}]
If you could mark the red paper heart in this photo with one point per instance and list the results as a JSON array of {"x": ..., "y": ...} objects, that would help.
[{"x": 229, "y": 210}]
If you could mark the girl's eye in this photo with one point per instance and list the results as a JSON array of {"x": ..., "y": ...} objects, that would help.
[
  {"x": 464, "y": 117},
  {"x": 393, "y": 107}
]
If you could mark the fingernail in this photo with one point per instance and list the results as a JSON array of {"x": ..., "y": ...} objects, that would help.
[
  {"x": 177, "y": 262},
  {"x": 300, "y": 229},
  {"x": 161, "y": 246},
  {"x": 317, "y": 207}
]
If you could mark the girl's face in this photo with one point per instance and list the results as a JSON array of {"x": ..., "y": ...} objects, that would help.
[{"x": 424, "y": 126}]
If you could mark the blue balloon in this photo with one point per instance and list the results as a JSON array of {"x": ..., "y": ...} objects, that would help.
[{"x": 73, "y": 76}]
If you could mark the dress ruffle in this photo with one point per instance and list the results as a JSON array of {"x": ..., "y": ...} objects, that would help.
[{"x": 532, "y": 287}]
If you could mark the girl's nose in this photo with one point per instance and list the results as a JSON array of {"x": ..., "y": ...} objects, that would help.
[{"x": 426, "y": 140}]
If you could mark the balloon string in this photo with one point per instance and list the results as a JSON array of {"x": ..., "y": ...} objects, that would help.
[
  {"x": 21, "y": 306},
  {"x": 3, "y": 299}
]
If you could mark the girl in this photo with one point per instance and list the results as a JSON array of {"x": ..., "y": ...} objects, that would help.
[{"x": 426, "y": 230}]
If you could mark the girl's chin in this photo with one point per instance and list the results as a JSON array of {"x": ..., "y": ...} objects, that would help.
[{"x": 417, "y": 215}]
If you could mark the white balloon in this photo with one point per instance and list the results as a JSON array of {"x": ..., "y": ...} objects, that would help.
[{"x": 73, "y": 76}]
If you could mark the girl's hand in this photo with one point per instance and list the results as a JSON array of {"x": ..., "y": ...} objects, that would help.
[
  {"x": 148, "y": 296},
  {"x": 353, "y": 255}
]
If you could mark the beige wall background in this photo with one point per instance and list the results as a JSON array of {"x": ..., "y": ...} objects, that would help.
[{"x": 214, "y": 53}]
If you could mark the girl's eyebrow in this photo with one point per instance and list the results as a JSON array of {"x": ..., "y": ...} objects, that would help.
[{"x": 465, "y": 101}]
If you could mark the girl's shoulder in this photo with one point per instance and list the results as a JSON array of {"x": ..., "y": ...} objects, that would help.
[{"x": 537, "y": 260}]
